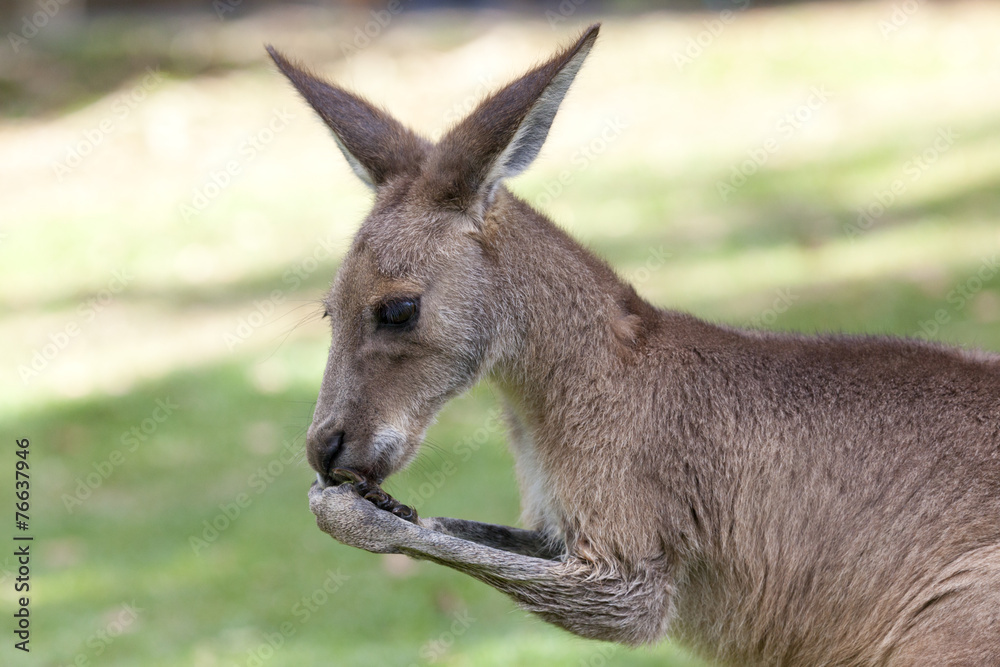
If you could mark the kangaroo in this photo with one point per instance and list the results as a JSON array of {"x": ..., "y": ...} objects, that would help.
[{"x": 762, "y": 498}]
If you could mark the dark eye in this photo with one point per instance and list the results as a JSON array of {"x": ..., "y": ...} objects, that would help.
[{"x": 399, "y": 313}]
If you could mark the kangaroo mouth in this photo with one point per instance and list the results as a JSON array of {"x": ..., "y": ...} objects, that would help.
[
  {"x": 374, "y": 462},
  {"x": 336, "y": 476}
]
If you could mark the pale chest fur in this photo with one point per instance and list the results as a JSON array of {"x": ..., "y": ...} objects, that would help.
[{"x": 540, "y": 508}]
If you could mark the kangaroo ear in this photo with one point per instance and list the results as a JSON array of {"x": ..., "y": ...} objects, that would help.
[
  {"x": 505, "y": 132},
  {"x": 376, "y": 145}
]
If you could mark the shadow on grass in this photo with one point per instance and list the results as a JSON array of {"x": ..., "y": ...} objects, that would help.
[
  {"x": 200, "y": 520},
  {"x": 308, "y": 292},
  {"x": 804, "y": 205},
  {"x": 54, "y": 76},
  {"x": 971, "y": 317},
  {"x": 185, "y": 498}
]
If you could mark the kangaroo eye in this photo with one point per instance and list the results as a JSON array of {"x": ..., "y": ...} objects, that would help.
[{"x": 399, "y": 313}]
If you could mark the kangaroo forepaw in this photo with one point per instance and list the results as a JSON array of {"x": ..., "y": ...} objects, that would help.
[{"x": 371, "y": 492}]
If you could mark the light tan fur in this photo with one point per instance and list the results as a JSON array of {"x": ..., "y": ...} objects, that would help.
[{"x": 764, "y": 498}]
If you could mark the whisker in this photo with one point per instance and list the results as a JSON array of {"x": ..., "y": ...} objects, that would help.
[{"x": 304, "y": 320}]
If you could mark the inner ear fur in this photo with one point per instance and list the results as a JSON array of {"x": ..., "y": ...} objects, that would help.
[
  {"x": 376, "y": 145},
  {"x": 505, "y": 133}
]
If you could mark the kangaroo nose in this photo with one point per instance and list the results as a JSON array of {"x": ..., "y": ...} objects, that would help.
[{"x": 327, "y": 451}]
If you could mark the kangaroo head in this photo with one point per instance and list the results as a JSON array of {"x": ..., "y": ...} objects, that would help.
[{"x": 413, "y": 308}]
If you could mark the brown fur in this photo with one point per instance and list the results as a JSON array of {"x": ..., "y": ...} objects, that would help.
[{"x": 764, "y": 498}]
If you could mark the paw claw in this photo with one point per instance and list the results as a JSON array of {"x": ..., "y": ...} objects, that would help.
[
  {"x": 376, "y": 496},
  {"x": 405, "y": 512},
  {"x": 370, "y": 491}
]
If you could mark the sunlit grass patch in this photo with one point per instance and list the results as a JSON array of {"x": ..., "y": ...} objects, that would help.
[{"x": 217, "y": 555}]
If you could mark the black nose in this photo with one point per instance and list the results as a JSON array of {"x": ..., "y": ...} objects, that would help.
[{"x": 329, "y": 450}]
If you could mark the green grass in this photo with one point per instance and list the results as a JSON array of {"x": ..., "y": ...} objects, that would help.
[{"x": 240, "y": 410}]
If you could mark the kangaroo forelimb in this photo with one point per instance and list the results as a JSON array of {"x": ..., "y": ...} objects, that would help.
[
  {"x": 596, "y": 600},
  {"x": 515, "y": 540}
]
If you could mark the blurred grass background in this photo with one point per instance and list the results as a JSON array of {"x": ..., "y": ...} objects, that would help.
[{"x": 875, "y": 210}]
